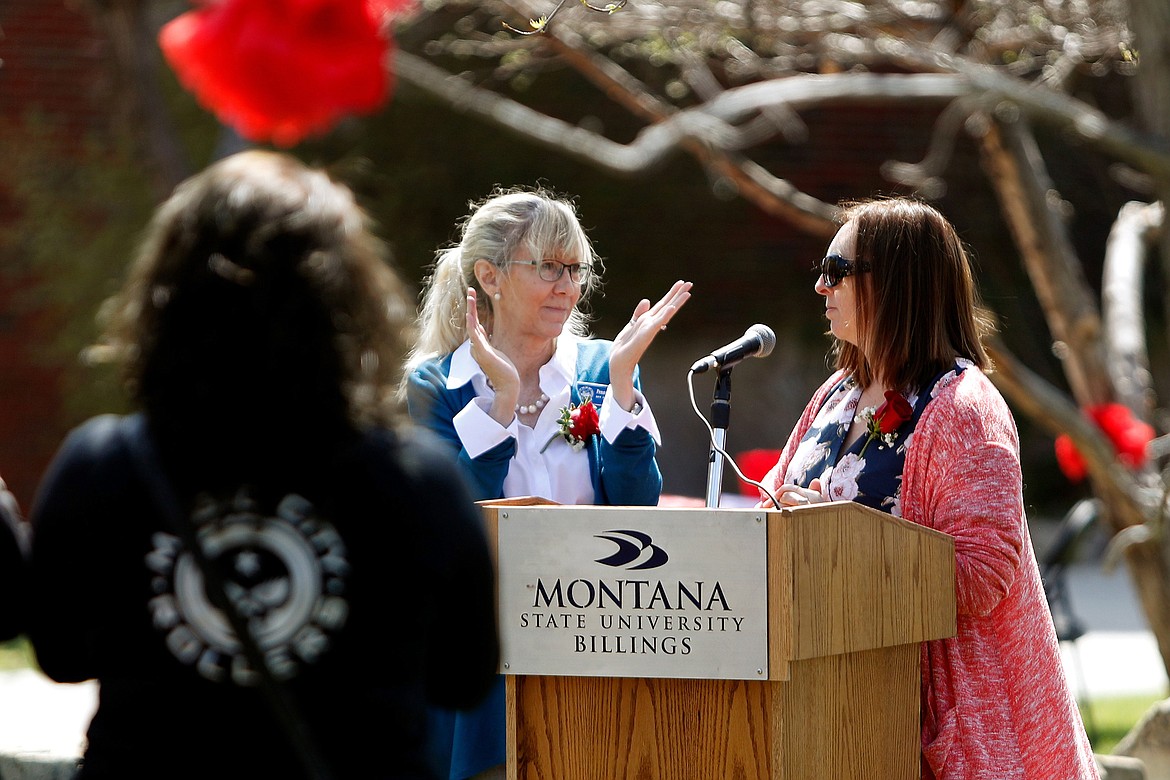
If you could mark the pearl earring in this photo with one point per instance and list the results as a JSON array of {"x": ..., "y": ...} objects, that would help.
[{"x": 496, "y": 296}]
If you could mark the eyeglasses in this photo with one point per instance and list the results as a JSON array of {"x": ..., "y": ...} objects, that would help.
[
  {"x": 553, "y": 270},
  {"x": 834, "y": 268}
]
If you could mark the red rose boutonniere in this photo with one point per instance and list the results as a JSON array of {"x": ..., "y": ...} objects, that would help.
[
  {"x": 577, "y": 424},
  {"x": 884, "y": 422}
]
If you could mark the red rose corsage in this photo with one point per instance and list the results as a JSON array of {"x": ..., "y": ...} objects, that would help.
[
  {"x": 577, "y": 424},
  {"x": 885, "y": 421}
]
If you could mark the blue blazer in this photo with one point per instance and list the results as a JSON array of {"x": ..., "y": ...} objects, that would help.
[{"x": 624, "y": 473}]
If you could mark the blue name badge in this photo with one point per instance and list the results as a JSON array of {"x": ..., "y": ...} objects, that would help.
[{"x": 594, "y": 391}]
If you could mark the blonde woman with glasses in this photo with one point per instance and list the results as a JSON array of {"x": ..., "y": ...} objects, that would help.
[{"x": 504, "y": 371}]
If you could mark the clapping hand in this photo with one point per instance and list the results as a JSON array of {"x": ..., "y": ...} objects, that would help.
[
  {"x": 634, "y": 339},
  {"x": 501, "y": 373}
]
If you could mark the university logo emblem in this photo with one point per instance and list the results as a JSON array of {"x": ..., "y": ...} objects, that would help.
[{"x": 636, "y": 551}]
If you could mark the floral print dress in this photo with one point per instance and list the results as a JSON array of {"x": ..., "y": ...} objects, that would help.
[{"x": 870, "y": 470}]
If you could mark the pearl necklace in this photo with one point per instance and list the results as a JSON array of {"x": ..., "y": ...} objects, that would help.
[{"x": 533, "y": 407}]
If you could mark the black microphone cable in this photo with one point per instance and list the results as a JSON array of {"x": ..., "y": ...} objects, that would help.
[{"x": 716, "y": 447}]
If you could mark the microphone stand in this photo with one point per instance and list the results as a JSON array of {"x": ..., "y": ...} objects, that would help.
[{"x": 720, "y": 417}]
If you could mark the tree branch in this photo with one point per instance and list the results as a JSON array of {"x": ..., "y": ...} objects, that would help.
[
  {"x": 1021, "y": 181},
  {"x": 706, "y": 124},
  {"x": 1146, "y": 151},
  {"x": 1051, "y": 408},
  {"x": 650, "y": 148},
  {"x": 771, "y": 194}
]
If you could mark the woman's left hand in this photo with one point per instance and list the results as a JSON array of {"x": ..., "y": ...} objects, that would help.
[
  {"x": 632, "y": 342},
  {"x": 795, "y": 495}
]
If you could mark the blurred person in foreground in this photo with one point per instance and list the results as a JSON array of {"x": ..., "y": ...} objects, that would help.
[
  {"x": 504, "y": 372},
  {"x": 13, "y": 591},
  {"x": 262, "y": 332},
  {"x": 909, "y": 424}
]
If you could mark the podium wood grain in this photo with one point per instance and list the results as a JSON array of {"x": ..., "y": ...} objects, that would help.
[
  {"x": 851, "y": 595},
  {"x": 840, "y": 717}
]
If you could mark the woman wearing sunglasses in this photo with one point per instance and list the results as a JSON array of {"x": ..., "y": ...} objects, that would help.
[
  {"x": 909, "y": 424},
  {"x": 504, "y": 372}
]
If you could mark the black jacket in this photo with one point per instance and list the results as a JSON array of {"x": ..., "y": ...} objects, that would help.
[{"x": 363, "y": 570}]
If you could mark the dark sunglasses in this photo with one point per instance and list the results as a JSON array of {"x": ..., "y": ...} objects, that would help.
[{"x": 834, "y": 268}]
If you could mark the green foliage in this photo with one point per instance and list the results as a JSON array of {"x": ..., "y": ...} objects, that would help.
[
  {"x": 1112, "y": 718},
  {"x": 16, "y": 654}
]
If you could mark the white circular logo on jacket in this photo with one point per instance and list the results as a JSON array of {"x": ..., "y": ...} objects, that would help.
[{"x": 284, "y": 573}]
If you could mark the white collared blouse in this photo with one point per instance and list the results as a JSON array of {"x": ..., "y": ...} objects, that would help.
[{"x": 545, "y": 465}]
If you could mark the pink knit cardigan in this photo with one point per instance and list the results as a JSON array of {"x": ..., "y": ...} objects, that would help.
[{"x": 995, "y": 701}]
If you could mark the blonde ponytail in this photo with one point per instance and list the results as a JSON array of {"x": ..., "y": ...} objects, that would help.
[{"x": 442, "y": 321}]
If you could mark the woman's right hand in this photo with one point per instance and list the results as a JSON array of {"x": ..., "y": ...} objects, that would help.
[{"x": 499, "y": 370}]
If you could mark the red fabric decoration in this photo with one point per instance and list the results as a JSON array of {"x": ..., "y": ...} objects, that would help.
[
  {"x": 280, "y": 70},
  {"x": 1128, "y": 435},
  {"x": 1068, "y": 457},
  {"x": 755, "y": 464}
]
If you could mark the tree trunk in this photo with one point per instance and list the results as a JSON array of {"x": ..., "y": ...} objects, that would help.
[
  {"x": 1122, "y": 304},
  {"x": 1150, "y": 22},
  {"x": 1021, "y": 182}
]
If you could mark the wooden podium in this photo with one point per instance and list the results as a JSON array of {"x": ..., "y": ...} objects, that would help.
[{"x": 850, "y": 595}]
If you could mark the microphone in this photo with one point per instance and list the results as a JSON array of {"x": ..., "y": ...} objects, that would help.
[{"x": 756, "y": 342}]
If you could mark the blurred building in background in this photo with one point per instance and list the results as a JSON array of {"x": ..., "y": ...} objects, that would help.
[{"x": 51, "y": 75}]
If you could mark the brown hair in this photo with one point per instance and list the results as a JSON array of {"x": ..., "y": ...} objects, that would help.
[
  {"x": 918, "y": 307},
  {"x": 260, "y": 293}
]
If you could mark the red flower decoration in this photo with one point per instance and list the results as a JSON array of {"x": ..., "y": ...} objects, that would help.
[
  {"x": 1128, "y": 435},
  {"x": 578, "y": 423},
  {"x": 280, "y": 70},
  {"x": 887, "y": 419},
  {"x": 890, "y": 415},
  {"x": 1068, "y": 457}
]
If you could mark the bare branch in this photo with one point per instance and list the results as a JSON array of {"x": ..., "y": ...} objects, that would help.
[
  {"x": 648, "y": 149},
  {"x": 1052, "y": 409},
  {"x": 754, "y": 183},
  {"x": 1026, "y": 196},
  {"x": 927, "y": 175},
  {"x": 705, "y": 123},
  {"x": 1146, "y": 151}
]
